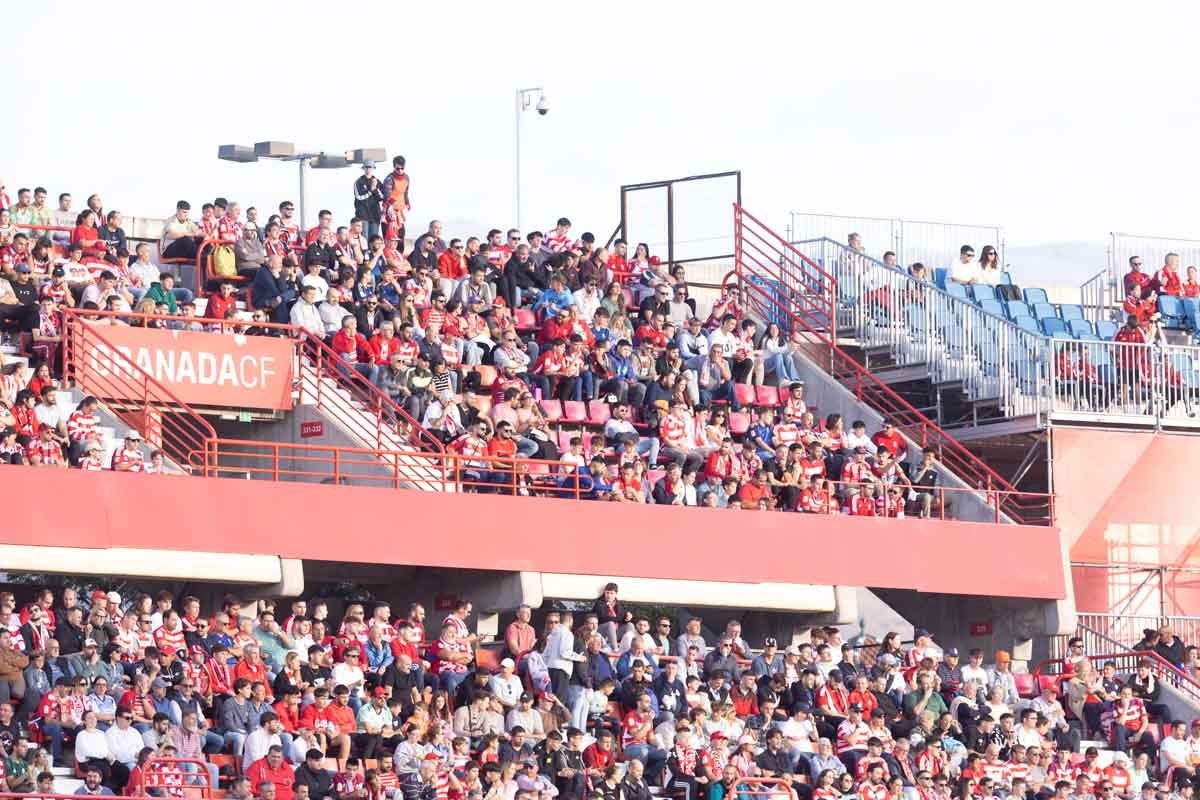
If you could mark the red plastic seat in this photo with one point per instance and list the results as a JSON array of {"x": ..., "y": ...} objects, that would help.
[
  {"x": 739, "y": 422},
  {"x": 784, "y": 393},
  {"x": 598, "y": 412},
  {"x": 564, "y": 439},
  {"x": 766, "y": 396},
  {"x": 1026, "y": 684},
  {"x": 744, "y": 393},
  {"x": 524, "y": 319},
  {"x": 552, "y": 409},
  {"x": 481, "y": 403},
  {"x": 655, "y": 475},
  {"x": 575, "y": 411}
]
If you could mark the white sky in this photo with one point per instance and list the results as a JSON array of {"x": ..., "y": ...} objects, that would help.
[{"x": 1058, "y": 121}]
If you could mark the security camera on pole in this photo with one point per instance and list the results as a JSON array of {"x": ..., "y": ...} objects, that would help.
[{"x": 524, "y": 100}]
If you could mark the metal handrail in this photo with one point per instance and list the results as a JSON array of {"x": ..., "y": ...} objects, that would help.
[
  {"x": 1128, "y": 660},
  {"x": 317, "y": 361},
  {"x": 159, "y": 415},
  {"x": 868, "y": 388}
]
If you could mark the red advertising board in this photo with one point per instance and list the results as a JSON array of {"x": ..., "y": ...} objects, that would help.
[{"x": 201, "y": 369}]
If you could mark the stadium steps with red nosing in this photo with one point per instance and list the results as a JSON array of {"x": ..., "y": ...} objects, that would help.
[{"x": 780, "y": 282}]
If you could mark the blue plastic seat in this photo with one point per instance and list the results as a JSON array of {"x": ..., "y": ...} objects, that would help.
[
  {"x": 957, "y": 290},
  {"x": 1079, "y": 327},
  {"x": 939, "y": 277},
  {"x": 992, "y": 307},
  {"x": 1028, "y": 324},
  {"x": 1005, "y": 279},
  {"x": 1191, "y": 312},
  {"x": 1172, "y": 311},
  {"x": 981, "y": 291},
  {"x": 1106, "y": 329},
  {"x": 1044, "y": 310},
  {"x": 1070, "y": 312},
  {"x": 915, "y": 316},
  {"x": 1050, "y": 325},
  {"x": 1016, "y": 309},
  {"x": 1036, "y": 296}
]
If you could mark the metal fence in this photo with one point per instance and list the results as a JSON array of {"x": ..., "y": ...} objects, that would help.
[
  {"x": 1116, "y": 382},
  {"x": 1099, "y": 298},
  {"x": 1128, "y": 628},
  {"x": 934, "y": 244},
  {"x": 880, "y": 306},
  {"x": 1124, "y": 246}
]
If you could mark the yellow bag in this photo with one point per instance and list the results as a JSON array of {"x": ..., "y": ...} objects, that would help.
[{"x": 224, "y": 264}]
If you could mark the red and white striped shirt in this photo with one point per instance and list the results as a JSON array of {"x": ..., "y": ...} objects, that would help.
[
  {"x": 124, "y": 456},
  {"x": 557, "y": 242},
  {"x": 459, "y": 646},
  {"x": 851, "y": 736},
  {"x": 229, "y": 230},
  {"x": 51, "y": 452},
  {"x": 169, "y": 640},
  {"x": 633, "y": 722},
  {"x": 81, "y": 426},
  {"x": 672, "y": 431}
]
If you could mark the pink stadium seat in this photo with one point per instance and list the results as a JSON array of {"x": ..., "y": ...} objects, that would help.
[
  {"x": 628, "y": 295},
  {"x": 744, "y": 393},
  {"x": 784, "y": 394},
  {"x": 552, "y": 409},
  {"x": 564, "y": 439},
  {"x": 766, "y": 395},
  {"x": 525, "y": 319},
  {"x": 598, "y": 412},
  {"x": 574, "y": 411},
  {"x": 481, "y": 403},
  {"x": 739, "y": 422},
  {"x": 654, "y": 475}
]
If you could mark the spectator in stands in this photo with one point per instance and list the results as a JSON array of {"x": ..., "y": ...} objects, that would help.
[
  {"x": 1167, "y": 279},
  {"x": 1135, "y": 276},
  {"x": 966, "y": 270}
]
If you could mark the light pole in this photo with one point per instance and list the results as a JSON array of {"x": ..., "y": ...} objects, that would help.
[
  {"x": 524, "y": 100},
  {"x": 286, "y": 151}
]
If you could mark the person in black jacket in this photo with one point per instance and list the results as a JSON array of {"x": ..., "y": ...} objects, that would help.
[
  {"x": 368, "y": 204},
  {"x": 70, "y": 633},
  {"x": 266, "y": 289},
  {"x": 320, "y": 253},
  {"x": 1169, "y": 646},
  {"x": 669, "y": 689},
  {"x": 525, "y": 274},
  {"x": 776, "y": 762},
  {"x": 318, "y": 779},
  {"x": 611, "y": 615}
]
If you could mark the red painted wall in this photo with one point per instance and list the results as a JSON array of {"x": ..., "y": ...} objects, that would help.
[
  {"x": 89, "y": 509},
  {"x": 1124, "y": 498}
]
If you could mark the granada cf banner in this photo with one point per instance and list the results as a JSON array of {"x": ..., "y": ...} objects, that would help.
[{"x": 201, "y": 369}]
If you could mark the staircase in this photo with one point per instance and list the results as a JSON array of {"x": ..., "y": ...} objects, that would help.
[
  {"x": 359, "y": 409},
  {"x": 960, "y": 348},
  {"x": 784, "y": 285}
]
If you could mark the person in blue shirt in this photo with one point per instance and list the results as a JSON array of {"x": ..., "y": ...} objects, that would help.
[
  {"x": 591, "y": 480},
  {"x": 620, "y": 360},
  {"x": 762, "y": 434},
  {"x": 554, "y": 299}
]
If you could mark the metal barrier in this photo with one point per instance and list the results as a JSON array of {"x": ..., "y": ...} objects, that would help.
[
  {"x": 810, "y": 310},
  {"x": 1151, "y": 249},
  {"x": 178, "y": 777},
  {"x": 1099, "y": 297},
  {"x": 164, "y": 421},
  {"x": 881, "y": 306},
  {"x": 762, "y": 787},
  {"x": 1126, "y": 662},
  {"x": 934, "y": 244},
  {"x": 942, "y": 501},
  {"x": 514, "y": 476},
  {"x": 1124, "y": 383},
  {"x": 365, "y": 411},
  {"x": 1127, "y": 629}
]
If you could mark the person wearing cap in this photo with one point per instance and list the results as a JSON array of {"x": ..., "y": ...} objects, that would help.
[
  {"x": 950, "y": 675},
  {"x": 1001, "y": 675},
  {"x": 374, "y": 721},
  {"x": 128, "y": 457},
  {"x": 923, "y": 647},
  {"x": 368, "y": 204},
  {"x": 800, "y": 734}
]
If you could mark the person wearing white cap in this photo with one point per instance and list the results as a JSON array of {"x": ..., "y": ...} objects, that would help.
[
  {"x": 128, "y": 457},
  {"x": 505, "y": 684},
  {"x": 368, "y": 197}
]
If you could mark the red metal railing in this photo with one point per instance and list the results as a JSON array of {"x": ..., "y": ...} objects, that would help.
[
  {"x": 1125, "y": 662},
  {"x": 454, "y": 472},
  {"x": 807, "y": 295},
  {"x": 763, "y": 787},
  {"x": 366, "y": 412},
  {"x": 165, "y": 421},
  {"x": 186, "y": 775}
]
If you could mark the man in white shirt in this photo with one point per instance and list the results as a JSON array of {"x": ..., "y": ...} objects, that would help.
[
  {"x": 967, "y": 268},
  {"x": 266, "y": 736},
  {"x": 305, "y": 313},
  {"x": 506, "y": 685},
  {"x": 641, "y": 629},
  {"x": 1174, "y": 749},
  {"x": 973, "y": 670},
  {"x": 857, "y": 437},
  {"x": 124, "y": 742}
]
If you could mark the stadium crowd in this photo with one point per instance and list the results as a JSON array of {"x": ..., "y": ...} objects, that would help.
[
  {"x": 286, "y": 700},
  {"x": 490, "y": 343}
]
